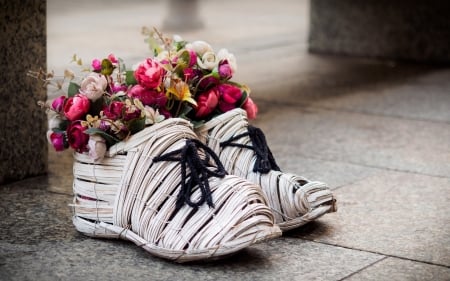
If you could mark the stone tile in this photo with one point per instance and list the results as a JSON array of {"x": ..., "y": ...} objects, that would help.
[
  {"x": 414, "y": 98},
  {"x": 31, "y": 214},
  {"x": 90, "y": 259},
  {"x": 374, "y": 141},
  {"x": 391, "y": 213},
  {"x": 399, "y": 269},
  {"x": 335, "y": 174}
]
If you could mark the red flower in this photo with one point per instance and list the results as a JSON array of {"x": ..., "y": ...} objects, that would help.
[
  {"x": 251, "y": 108},
  {"x": 229, "y": 97},
  {"x": 76, "y": 137},
  {"x": 149, "y": 74},
  {"x": 114, "y": 111},
  {"x": 76, "y": 107},
  {"x": 58, "y": 103},
  {"x": 57, "y": 140},
  {"x": 148, "y": 96},
  {"x": 206, "y": 103}
]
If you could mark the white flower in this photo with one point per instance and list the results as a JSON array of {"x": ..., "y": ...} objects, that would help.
[
  {"x": 200, "y": 47},
  {"x": 97, "y": 147},
  {"x": 223, "y": 54},
  {"x": 54, "y": 121},
  {"x": 207, "y": 61},
  {"x": 93, "y": 86}
]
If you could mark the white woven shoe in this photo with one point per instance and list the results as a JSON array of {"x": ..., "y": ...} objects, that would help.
[
  {"x": 167, "y": 192},
  {"x": 243, "y": 151}
]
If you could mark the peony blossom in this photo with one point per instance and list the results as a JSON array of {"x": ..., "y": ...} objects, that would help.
[
  {"x": 206, "y": 103},
  {"x": 114, "y": 111},
  {"x": 225, "y": 71},
  {"x": 250, "y": 107},
  {"x": 149, "y": 74},
  {"x": 148, "y": 96},
  {"x": 112, "y": 58},
  {"x": 76, "y": 137},
  {"x": 93, "y": 86},
  {"x": 57, "y": 140},
  {"x": 76, "y": 107},
  {"x": 223, "y": 54},
  {"x": 229, "y": 97},
  {"x": 97, "y": 147},
  {"x": 58, "y": 104},
  {"x": 96, "y": 65}
]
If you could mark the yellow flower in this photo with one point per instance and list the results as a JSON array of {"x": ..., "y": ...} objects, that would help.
[{"x": 180, "y": 91}]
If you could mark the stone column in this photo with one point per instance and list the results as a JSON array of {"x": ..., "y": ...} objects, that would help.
[
  {"x": 413, "y": 30},
  {"x": 182, "y": 15},
  {"x": 23, "y": 124}
]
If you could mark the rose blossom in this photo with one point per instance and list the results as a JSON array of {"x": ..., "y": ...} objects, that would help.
[
  {"x": 97, "y": 147},
  {"x": 148, "y": 96},
  {"x": 76, "y": 137},
  {"x": 200, "y": 47},
  {"x": 58, "y": 103},
  {"x": 149, "y": 74},
  {"x": 206, "y": 103},
  {"x": 208, "y": 61},
  {"x": 250, "y": 107},
  {"x": 57, "y": 140},
  {"x": 93, "y": 86},
  {"x": 229, "y": 96},
  {"x": 76, "y": 107},
  {"x": 192, "y": 58}
]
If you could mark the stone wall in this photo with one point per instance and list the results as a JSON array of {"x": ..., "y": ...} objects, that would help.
[
  {"x": 414, "y": 30},
  {"x": 23, "y": 144}
]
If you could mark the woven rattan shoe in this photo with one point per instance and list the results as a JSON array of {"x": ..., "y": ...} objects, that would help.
[
  {"x": 243, "y": 151},
  {"x": 167, "y": 192}
]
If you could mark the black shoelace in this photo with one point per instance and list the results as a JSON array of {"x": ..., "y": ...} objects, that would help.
[
  {"x": 264, "y": 158},
  {"x": 200, "y": 172}
]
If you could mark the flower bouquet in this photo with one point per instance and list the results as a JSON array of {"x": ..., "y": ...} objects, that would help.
[
  {"x": 140, "y": 171},
  {"x": 110, "y": 103}
]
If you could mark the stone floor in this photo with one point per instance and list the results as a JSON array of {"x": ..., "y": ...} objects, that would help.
[{"x": 377, "y": 131}]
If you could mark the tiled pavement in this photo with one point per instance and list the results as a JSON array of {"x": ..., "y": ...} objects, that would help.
[{"x": 377, "y": 131}]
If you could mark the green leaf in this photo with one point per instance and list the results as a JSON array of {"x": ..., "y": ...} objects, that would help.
[
  {"x": 129, "y": 77},
  {"x": 73, "y": 89},
  {"x": 110, "y": 140},
  {"x": 136, "y": 125},
  {"x": 243, "y": 98}
]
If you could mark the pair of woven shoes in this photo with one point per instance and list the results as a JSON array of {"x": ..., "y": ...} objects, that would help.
[{"x": 185, "y": 195}]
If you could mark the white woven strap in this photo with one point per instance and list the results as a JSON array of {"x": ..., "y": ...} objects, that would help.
[{"x": 293, "y": 199}]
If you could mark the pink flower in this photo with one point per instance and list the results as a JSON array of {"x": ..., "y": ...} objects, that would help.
[
  {"x": 114, "y": 111},
  {"x": 96, "y": 65},
  {"x": 149, "y": 74},
  {"x": 112, "y": 58},
  {"x": 148, "y": 96},
  {"x": 229, "y": 97},
  {"x": 76, "y": 107},
  {"x": 57, "y": 140},
  {"x": 76, "y": 137},
  {"x": 97, "y": 147},
  {"x": 93, "y": 86},
  {"x": 206, "y": 103},
  {"x": 251, "y": 108},
  {"x": 225, "y": 70},
  {"x": 117, "y": 87},
  {"x": 58, "y": 104},
  {"x": 192, "y": 58}
]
